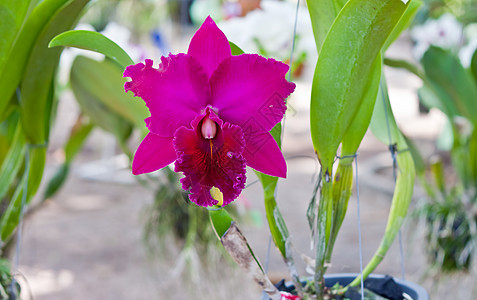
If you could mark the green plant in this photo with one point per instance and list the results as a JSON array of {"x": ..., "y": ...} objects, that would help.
[
  {"x": 349, "y": 94},
  {"x": 450, "y": 208},
  {"x": 27, "y": 102}
]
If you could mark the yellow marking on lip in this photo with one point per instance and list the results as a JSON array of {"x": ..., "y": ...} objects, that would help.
[{"x": 217, "y": 195}]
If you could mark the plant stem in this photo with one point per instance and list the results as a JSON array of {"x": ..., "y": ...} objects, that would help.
[
  {"x": 324, "y": 227},
  {"x": 342, "y": 186}
]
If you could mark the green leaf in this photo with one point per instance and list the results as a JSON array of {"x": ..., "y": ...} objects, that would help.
[
  {"x": 94, "y": 41},
  {"x": 383, "y": 124},
  {"x": 33, "y": 174},
  {"x": 95, "y": 109},
  {"x": 403, "y": 23},
  {"x": 473, "y": 65},
  {"x": 235, "y": 49},
  {"x": 57, "y": 181},
  {"x": 12, "y": 162},
  {"x": 356, "y": 131},
  {"x": 37, "y": 82},
  {"x": 221, "y": 220},
  {"x": 18, "y": 58},
  {"x": 473, "y": 156},
  {"x": 78, "y": 135},
  {"x": 269, "y": 184},
  {"x": 450, "y": 78},
  {"x": 343, "y": 69},
  {"x": 384, "y": 118},
  {"x": 343, "y": 181},
  {"x": 12, "y": 14},
  {"x": 323, "y": 13},
  {"x": 432, "y": 96},
  {"x": 104, "y": 81}
]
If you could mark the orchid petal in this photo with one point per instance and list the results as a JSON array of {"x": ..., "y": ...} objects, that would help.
[
  {"x": 211, "y": 163},
  {"x": 263, "y": 154},
  {"x": 174, "y": 93},
  {"x": 153, "y": 153},
  {"x": 209, "y": 46},
  {"x": 250, "y": 90}
]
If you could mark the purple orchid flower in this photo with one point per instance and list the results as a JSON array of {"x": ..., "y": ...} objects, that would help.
[{"x": 211, "y": 113}]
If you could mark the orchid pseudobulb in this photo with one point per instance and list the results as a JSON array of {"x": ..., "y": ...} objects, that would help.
[{"x": 211, "y": 113}]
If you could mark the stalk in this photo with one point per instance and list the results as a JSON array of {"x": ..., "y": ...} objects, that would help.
[
  {"x": 342, "y": 186},
  {"x": 323, "y": 230}
]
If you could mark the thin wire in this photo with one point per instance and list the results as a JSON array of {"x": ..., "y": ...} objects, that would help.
[
  {"x": 290, "y": 61},
  {"x": 20, "y": 222},
  {"x": 392, "y": 149},
  {"x": 267, "y": 262},
  {"x": 293, "y": 40},
  {"x": 359, "y": 228}
]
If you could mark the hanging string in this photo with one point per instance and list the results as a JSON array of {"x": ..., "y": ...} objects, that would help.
[
  {"x": 20, "y": 223},
  {"x": 359, "y": 227},
  {"x": 267, "y": 259},
  {"x": 393, "y": 151},
  {"x": 360, "y": 243}
]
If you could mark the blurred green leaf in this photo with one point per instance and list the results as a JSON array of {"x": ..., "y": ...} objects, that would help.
[
  {"x": 383, "y": 124},
  {"x": 78, "y": 135},
  {"x": 17, "y": 60},
  {"x": 419, "y": 162},
  {"x": 104, "y": 81},
  {"x": 13, "y": 160},
  {"x": 37, "y": 82},
  {"x": 473, "y": 156},
  {"x": 449, "y": 77},
  {"x": 473, "y": 65},
  {"x": 343, "y": 69},
  {"x": 57, "y": 181},
  {"x": 10, "y": 218},
  {"x": 12, "y": 14},
  {"x": 385, "y": 128},
  {"x": 93, "y": 106},
  {"x": 433, "y": 97},
  {"x": 94, "y": 41}
]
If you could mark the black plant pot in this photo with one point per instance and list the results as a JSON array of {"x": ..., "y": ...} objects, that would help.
[
  {"x": 415, "y": 291},
  {"x": 378, "y": 284}
]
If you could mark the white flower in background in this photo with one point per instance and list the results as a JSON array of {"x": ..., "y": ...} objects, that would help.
[
  {"x": 270, "y": 29},
  {"x": 465, "y": 54},
  {"x": 445, "y": 32}
]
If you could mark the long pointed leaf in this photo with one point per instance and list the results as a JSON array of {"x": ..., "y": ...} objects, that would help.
[
  {"x": 36, "y": 86},
  {"x": 94, "y": 41},
  {"x": 343, "y": 68},
  {"x": 12, "y": 14},
  {"x": 104, "y": 81},
  {"x": 18, "y": 58},
  {"x": 384, "y": 118},
  {"x": 12, "y": 162},
  {"x": 10, "y": 218},
  {"x": 449, "y": 76}
]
